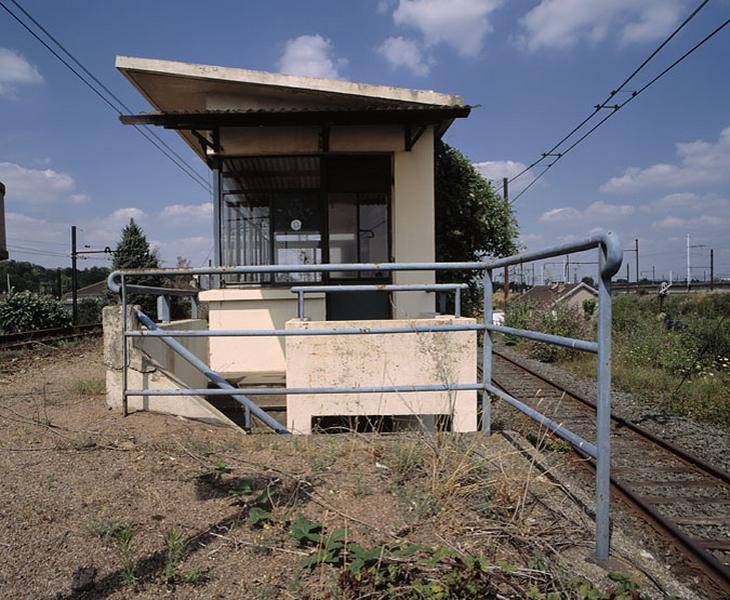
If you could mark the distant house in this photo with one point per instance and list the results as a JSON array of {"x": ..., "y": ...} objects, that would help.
[
  {"x": 95, "y": 291},
  {"x": 555, "y": 294}
]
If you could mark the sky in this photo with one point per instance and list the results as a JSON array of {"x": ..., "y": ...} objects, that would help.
[{"x": 658, "y": 170}]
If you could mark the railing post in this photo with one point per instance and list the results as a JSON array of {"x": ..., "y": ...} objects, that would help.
[
  {"x": 603, "y": 416},
  {"x": 300, "y": 304},
  {"x": 457, "y": 302},
  {"x": 487, "y": 353},
  {"x": 125, "y": 341},
  {"x": 163, "y": 309}
]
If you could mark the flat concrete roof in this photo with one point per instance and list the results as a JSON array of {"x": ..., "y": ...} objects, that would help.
[{"x": 155, "y": 79}]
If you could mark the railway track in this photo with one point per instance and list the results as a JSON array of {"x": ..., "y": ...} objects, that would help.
[
  {"x": 681, "y": 495},
  {"x": 28, "y": 339}
]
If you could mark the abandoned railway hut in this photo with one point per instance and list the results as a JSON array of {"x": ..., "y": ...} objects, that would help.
[{"x": 309, "y": 171}]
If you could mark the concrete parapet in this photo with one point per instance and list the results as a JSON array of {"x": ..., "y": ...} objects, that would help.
[
  {"x": 152, "y": 365},
  {"x": 382, "y": 360}
]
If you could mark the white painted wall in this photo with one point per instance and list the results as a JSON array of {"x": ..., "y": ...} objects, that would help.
[
  {"x": 413, "y": 227},
  {"x": 253, "y": 308}
]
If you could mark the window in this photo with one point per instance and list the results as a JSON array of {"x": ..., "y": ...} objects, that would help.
[{"x": 305, "y": 210}]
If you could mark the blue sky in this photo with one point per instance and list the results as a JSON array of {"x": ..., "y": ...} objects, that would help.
[{"x": 657, "y": 170}]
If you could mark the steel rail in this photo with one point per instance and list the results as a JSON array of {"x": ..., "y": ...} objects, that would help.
[
  {"x": 704, "y": 560},
  {"x": 17, "y": 341}
]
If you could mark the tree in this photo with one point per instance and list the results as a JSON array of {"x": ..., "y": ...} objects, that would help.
[
  {"x": 472, "y": 221},
  {"x": 133, "y": 252}
]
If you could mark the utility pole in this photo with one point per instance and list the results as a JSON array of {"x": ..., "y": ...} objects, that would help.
[
  {"x": 522, "y": 278},
  {"x": 74, "y": 280},
  {"x": 627, "y": 275},
  {"x": 59, "y": 291},
  {"x": 636, "y": 248},
  {"x": 712, "y": 269},
  {"x": 542, "y": 274},
  {"x": 653, "y": 273},
  {"x": 689, "y": 277},
  {"x": 505, "y": 195}
]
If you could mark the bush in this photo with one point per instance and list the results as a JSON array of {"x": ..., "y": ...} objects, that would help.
[
  {"x": 561, "y": 319},
  {"x": 90, "y": 310},
  {"x": 27, "y": 311}
]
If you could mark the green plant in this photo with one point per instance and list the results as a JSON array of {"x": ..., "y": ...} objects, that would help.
[
  {"x": 133, "y": 252},
  {"x": 196, "y": 575},
  {"x": 94, "y": 386},
  {"x": 27, "y": 311},
  {"x": 471, "y": 220},
  {"x": 124, "y": 538},
  {"x": 175, "y": 547},
  {"x": 90, "y": 310},
  {"x": 589, "y": 307},
  {"x": 105, "y": 529}
]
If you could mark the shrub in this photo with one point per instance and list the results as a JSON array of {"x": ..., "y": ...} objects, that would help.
[
  {"x": 27, "y": 311},
  {"x": 90, "y": 310}
]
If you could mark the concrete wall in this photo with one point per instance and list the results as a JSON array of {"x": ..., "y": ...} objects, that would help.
[
  {"x": 381, "y": 359},
  {"x": 413, "y": 224},
  {"x": 576, "y": 298},
  {"x": 253, "y": 308},
  {"x": 153, "y": 365},
  {"x": 261, "y": 141}
]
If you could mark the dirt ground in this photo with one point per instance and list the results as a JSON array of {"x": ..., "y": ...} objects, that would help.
[{"x": 93, "y": 505}]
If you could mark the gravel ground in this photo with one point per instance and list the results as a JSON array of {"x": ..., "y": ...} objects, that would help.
[{"x": 703, "y": 440}]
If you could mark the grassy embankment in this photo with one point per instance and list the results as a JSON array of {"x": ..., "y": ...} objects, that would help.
[{"x": 676, "y": 360}]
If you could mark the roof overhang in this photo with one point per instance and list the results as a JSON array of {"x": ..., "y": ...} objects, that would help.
[{"x": 192, "y": 98}]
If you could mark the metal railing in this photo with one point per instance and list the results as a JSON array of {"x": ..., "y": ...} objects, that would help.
[{"x": 610, "y": 255}]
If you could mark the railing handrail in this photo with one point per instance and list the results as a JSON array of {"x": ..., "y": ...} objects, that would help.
[
  {"x": 610, "y": 256},
  {"x": 609, "y": 240}
]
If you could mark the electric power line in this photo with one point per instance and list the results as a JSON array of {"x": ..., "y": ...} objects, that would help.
[
  {"x": 149, "y": 135},
  {"x": 603, "y": 105}
]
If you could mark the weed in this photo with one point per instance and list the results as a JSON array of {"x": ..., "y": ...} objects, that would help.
[
  {"x": 124, "y": 537},
  {"x": 8, "y": 355},
  {"x": 196, "y": 575},
  {"x": 361, "y": 488},
  {"x": 94, "y": 386},
  {"x": 105, "y": 529},
  {"x": 174, "y": 553}
]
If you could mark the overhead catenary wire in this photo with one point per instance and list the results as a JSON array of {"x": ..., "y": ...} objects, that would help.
[
  {"x": 557, "y": 155},
  {"x": 634, "y": 95},
  {"x": 149, "y": 135}
]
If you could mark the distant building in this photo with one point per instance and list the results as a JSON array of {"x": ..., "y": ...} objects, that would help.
[
  {"x": 3, "y": 244},
  {"x": 95, "y": 291},
  {"x": 554, "y": 294}
]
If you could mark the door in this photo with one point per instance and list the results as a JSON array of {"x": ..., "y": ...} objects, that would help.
[{"x": 358, "y": 207}]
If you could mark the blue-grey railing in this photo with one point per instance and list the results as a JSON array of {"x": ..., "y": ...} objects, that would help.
[{"x": 610, "y": 255}]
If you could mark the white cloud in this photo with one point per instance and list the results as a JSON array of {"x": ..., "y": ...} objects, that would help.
[
  {"x": 461, "y": 24},
  {"x": 404, "y": 52},
  {"x": 188, "y": 213},
  {"x": 495, "y": 170},
  {"x": 311, "y": 56},
  {"x": 14, "y": 71},
  {"x": 124, "y": 214},
  {"x": 700, "y": 162},
  {"x": 34, "y": 186},
  {"x": 598, "y": 210},
  {"x": 672, "y": 222},
  {"x": 79, "y": 198},
  {"x": 564, "y": 23}
]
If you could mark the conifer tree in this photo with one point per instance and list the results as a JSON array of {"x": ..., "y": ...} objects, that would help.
[{"x": 133, "y": 252}]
